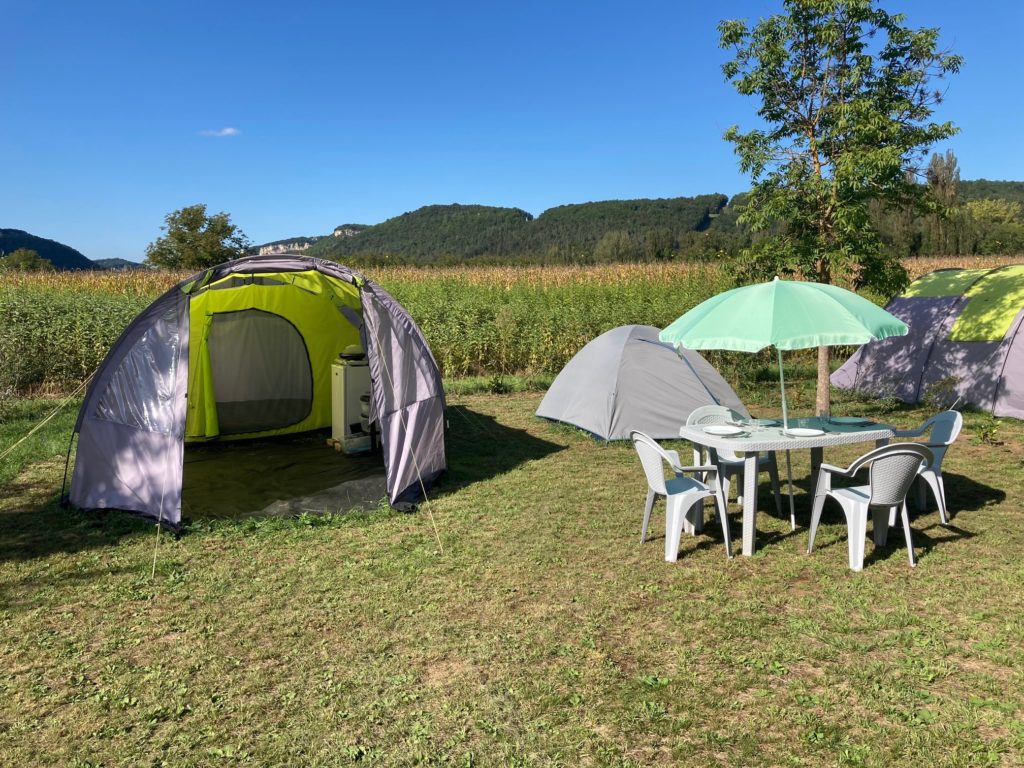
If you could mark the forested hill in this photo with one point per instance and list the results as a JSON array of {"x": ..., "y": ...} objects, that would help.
[
  {"x": 472, "y": 232},
  {"x": 983, "y": 189},
  {"x": 60, "y": 255}
]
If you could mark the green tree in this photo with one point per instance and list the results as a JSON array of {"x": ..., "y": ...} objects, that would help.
[
  {"x": 846, "y": 100},
  {"x": 615, "y": 246},
  {"x": 24, "y": 260},
  {"x": 194, "y": 240},
  {"x": 998, "y": 225},
  {"x": 943, "y": 176}
]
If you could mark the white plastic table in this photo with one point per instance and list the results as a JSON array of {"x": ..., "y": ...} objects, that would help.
[{"x": 760, "y": 439}]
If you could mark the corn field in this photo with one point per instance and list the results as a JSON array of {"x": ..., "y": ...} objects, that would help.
[{"x": 55, "y": 328}]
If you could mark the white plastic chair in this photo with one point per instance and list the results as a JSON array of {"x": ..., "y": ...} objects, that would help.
[
  {"x": 893, "y": 469},
  {"x": 943, "y": 429},
  {"x": 683, "y": 495},
  {"x": 730, "y": 464}
]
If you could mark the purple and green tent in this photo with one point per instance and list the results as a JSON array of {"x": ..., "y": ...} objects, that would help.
[
  {"x": 966, "y": 337},
  {"x": 244, "y": 350}
]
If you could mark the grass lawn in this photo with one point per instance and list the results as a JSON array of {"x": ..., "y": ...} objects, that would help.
[{"x": 540, "y": 633}]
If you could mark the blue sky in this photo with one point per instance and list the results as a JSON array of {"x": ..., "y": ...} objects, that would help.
[{"x": 356, "y": 112}]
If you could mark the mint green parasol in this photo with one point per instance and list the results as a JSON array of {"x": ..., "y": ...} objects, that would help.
[{"x": 784, "y": 314}]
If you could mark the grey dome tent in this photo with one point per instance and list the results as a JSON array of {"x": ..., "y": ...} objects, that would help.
[
  {"x": 244, "y": 350},
  {"x": 966, "y": 339},
  {"x": 626, "y": 379}
]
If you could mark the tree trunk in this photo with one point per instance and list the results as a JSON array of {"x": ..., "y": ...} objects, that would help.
[{"x": 822, "y": 400}]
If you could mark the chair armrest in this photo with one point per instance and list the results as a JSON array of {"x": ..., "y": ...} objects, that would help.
[
  {"x": 673, "y": 459},
  {"x": 909, "y": 432},
  {"x": 709, "y": 470},
  {"x": 834, "y": 470}
]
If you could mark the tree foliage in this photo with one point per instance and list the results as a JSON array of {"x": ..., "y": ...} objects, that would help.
[
  {"x": 846, "y": 97},
  {"x": 24, "y": 260},
  {"x": 194, "y": 240}
]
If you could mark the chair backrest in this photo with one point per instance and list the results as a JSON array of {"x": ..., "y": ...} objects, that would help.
[
  {"x": 715, "y": 414},
  {"x": 652, "y": 456},
  {"x": 712, "y": 414},
  {"x": 893, "y": 470},
  {"x": 945, "y": 426}
]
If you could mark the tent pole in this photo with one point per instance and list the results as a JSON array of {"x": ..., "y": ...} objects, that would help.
[{"x": 64, "y": 500}]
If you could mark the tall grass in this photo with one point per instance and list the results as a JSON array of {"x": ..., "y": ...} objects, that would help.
[{"x": 491, "y": 321}]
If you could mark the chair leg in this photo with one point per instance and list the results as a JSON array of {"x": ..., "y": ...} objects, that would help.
[
  {"x": 921, "y": 494},
  {"x": 942, "y": 492},
  {"x": 674, "y": 519},
  {"x": 773, "y": 473},
  {"x": 906, "y": 532},
  {"x": 819, "y": 503},
  {"x": 696, "y": 517},
  {"x": 721, "y": 497},
  {"x": 933, "y": 481},
  {"x": 880, "y": 524},
  {"x": 723, "y": 518},
  {"x": 856, "y": 526},
  {"x": 648, "y": 506}
]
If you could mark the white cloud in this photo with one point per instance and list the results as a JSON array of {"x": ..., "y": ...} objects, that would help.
[{"x": 220, "y": 133}]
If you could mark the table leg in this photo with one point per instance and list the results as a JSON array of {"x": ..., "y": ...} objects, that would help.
[{"x": 749, "y": 501}]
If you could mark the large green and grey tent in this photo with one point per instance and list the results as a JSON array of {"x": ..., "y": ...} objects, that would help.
[
  {"x": 966, "y": 337},
  {"x": 244, "y": 350}
]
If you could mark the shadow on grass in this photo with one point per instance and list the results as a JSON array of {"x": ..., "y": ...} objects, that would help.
[
  {"x": 963, "y": 495},
  {"x": 480, "y": 448},
  {"x": 30, "y": 532},
  {"x": 233, "y": 483}
]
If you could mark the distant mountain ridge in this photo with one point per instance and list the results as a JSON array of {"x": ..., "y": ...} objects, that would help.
[
  {"x": 468, "y": 232},
  {"x": 115, "y": 264},
  {"x": 984, "y": 189},
  {"x": 303, "y": 242},
  {"x": 60, "y": 255}
]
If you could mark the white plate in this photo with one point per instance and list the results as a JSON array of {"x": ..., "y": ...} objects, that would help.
[
  {"x": 855, "y": 421},
  {"x": 804, "y": 432},
  {"x": 722, "y": 429}
]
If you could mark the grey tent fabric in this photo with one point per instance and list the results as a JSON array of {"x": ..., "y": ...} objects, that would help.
[
  {"x": 132, "y": 422},
  {"x": 895, "y": 367},
  {"x": 131, "y": 427},
  {"x": 409, "y": 403},
  {"x": 627, "y": 380}
]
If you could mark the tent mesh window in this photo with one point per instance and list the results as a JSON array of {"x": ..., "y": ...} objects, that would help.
[
  {"x": 140, "y": 392},
  {"x": 262, "y": 378}
]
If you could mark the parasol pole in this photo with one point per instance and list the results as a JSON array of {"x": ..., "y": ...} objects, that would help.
[
  {"x": 782, "y": 384},
  {"x": 785, "y": 428}
]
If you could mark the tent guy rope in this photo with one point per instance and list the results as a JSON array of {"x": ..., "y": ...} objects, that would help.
[{"x": 50, "y": 416}]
